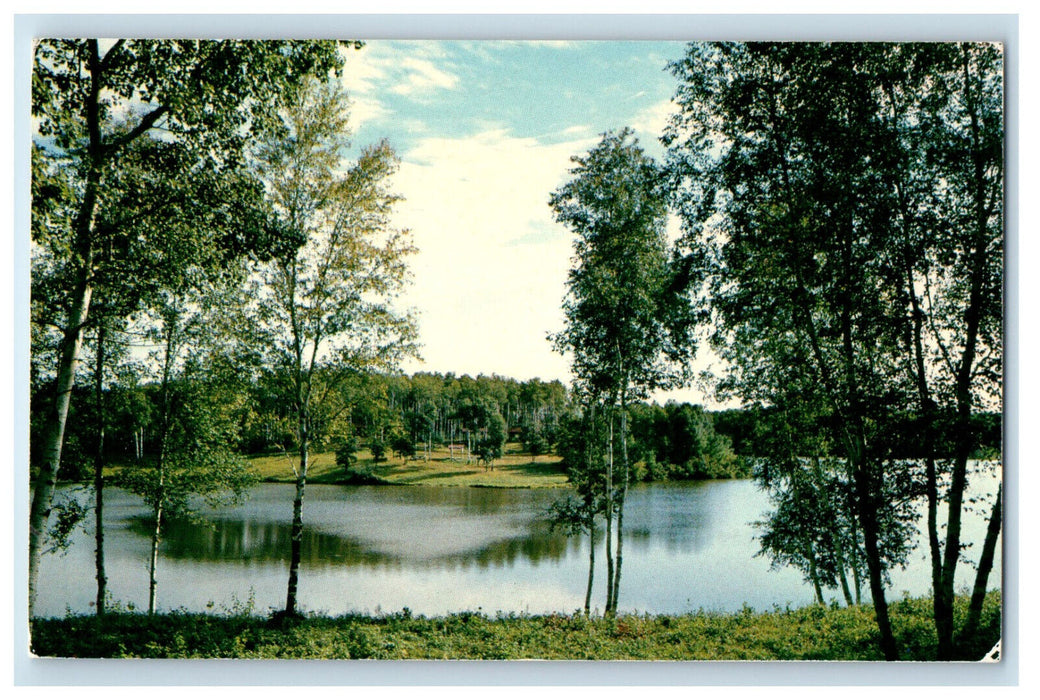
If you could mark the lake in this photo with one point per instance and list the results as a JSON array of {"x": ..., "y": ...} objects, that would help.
[{"x": 435, "y": 550}]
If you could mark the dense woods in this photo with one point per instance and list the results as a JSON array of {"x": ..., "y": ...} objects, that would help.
[{"x": 670, "y": 441}]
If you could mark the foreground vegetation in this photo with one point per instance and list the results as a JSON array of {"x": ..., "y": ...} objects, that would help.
[{"x": 811, "y": 633}]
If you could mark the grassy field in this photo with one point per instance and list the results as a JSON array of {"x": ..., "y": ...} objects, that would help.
[
  {"x": 516, "y": 469},
  {"x": 811, "y": 633}
]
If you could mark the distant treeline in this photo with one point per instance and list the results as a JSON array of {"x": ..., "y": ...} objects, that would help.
[
  {"x": 755, "y": 431},
  {"x": 424, "y": 409},
  {"x": 673, "y": 441}
]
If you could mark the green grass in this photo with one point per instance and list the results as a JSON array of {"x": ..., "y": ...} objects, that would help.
[
  {"x": 811, "y": 633},
  {"x": 515, "y": 469}
]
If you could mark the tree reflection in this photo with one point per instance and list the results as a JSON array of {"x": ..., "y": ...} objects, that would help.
[{"x": 234, "y": 540}]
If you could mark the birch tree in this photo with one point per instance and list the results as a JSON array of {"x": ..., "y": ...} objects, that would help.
[
  {"x": 325, "y": 309},
  {"x": 845, "y": 202},
  {"x": 195, "y": 454},
  {"x": 91, "y": 100},
  {"x": 618, "y": 301}
]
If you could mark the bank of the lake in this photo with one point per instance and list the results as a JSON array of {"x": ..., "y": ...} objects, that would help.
[
  {"x": 442, "y": 467},
  {"x": 811, "y": 633}
]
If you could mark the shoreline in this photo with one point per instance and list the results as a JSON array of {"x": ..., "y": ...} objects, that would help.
[{"x": 811, "y": 633}]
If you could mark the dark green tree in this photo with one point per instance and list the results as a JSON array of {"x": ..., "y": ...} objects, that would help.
[
  {"x": 814, "y": 181},
  {"x": 619, "y": 304},
  {"x": 402, "y": 445},
  {"x": 489, "y": 446},
  {"x": 378, "y": 449}
]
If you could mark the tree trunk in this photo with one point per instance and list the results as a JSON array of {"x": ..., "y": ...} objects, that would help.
[
  {"x": 942, "y": 612},
  {"x": 978, "y": 595},
  {"x": 857, "y": 579},
  {"x": 839, "y": 564},
  {"x": 835, "y": 536},
  {"x": 875, "y": 568},
  {"x": 609, "y": 607},
  {"x": 296, "y": 536},
  {"x": 164, "y": 436},
  {"x": 99, "y": 481},
  {"x": 972, "y": 322},
  {"x": 46, "y": 480},
  {"x": 79, "y": 309},
  {"x": 621, "y": 499},
  {"x": 592, "y": 564},
  {"x": 814, "y": 576},
  {"x": 153, "y": 582}
]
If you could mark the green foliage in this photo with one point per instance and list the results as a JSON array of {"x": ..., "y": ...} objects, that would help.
[
  {"x": 616, "y": 322},
  {"x": 536, "y": 439},
  {"x": 378, "y": 448},
  {"x": 570, "y": 516},
  {"x": 67, "y": 515},
  {"x": 489, "y": 447},
  {"x": 198, "y": 459},
  {"x": 842, "y": 206},
  {"x": 580, "y": 439},
  {"x": 346, "y": 452},
  {"x": 402, "y": 445},
  {"x": 626, "y": 328},
  {"x": 812, "y": 633},
  {"x": 347, "y": 461}
]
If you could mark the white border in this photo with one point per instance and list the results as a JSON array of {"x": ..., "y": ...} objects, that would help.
[{"x": 929, "y": 27}]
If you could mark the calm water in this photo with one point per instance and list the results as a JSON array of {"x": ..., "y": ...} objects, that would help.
[{"x": 436, "y": 550}]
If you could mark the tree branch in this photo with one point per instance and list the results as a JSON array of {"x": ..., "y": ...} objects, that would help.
[{"x": 147, "y": 122}]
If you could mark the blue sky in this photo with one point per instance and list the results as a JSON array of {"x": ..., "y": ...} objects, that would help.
[
  {"x": 485, "y": 131},
  {"x": 544, "y": 90}
]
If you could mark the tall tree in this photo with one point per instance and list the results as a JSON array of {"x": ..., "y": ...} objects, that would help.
[
  {"x": 91, "y": 100},
  {"x": 618, "y": 297},
  {"x": 197, "y": 434},
  {"x": 944, "y": 106},
  {"x": 846, "y": 213},
  {"x": 328, "y": 303},
  {"x": 164, "y": 226}
]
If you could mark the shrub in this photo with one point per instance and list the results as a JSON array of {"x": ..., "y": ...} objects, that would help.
[{"x": 346, "y": 452}]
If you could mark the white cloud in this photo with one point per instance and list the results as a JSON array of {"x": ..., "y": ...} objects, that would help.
[
  {"x": 364, "y": 109},
  {"x": 582, "y": 129},
  {"x": 379, "y": 69},
  {"x": 421, "y": 76},
  {"x": 650, "y": 122},
  {"x": 492, "y": 266},
  {"x": 363, "y": 69}
]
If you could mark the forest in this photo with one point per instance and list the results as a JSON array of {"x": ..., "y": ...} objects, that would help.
[{"x": 214, "y": 280}]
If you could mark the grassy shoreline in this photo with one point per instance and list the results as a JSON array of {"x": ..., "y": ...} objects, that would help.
[
  {"x": 811, "y": 633},
  {"x": 515, "y": 469}
]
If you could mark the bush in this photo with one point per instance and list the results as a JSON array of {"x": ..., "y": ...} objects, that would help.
[
  {"x": 346, "y": 453},
  {"x": 361, "y": 476},
  {"x": 378, "y": 449},
  {"x": 403, "y": 446}
]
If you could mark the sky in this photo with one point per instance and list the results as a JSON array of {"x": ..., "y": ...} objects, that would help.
[{"x": 485, "y": 131}]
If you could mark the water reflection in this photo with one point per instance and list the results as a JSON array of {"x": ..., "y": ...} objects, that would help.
[
  {"x": 438, "y": 550},
  {"x": 236, "y": 540}
]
